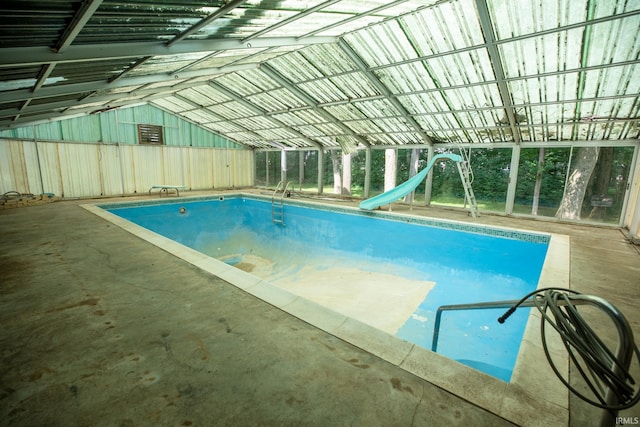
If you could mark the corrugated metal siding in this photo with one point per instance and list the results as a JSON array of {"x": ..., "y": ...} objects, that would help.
[
  {"x": 15, "y": 160},
  {"x": 49, "y": 168},
  {"x": 121, "y": 126},
  {"x": 200, "y": 169},
  {"x": 79, "y": 170},
  {"x": 90, "y": 170}
]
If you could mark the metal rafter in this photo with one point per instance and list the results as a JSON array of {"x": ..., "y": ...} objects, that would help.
[
  {"x": 290, "y": 19},
  {"x": 498, "y": 68},
  {"x": 28, "y": 56},
  {"x": 82, "y": 16},
  {"x": 206, "y": 21},
  {"x": 373, "y": 79},
  {"x": 260, "y": 112},
  {"x": 355, "y": 17},
  {"x": 267, "y": 69},
  {"x": 61, "y": 90}
]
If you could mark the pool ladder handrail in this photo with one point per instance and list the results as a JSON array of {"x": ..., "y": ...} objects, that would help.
[
  {"x": 466, "y": 175},
  {"x": 624, "y": 350},
  {"x": 278, "y": 216}
]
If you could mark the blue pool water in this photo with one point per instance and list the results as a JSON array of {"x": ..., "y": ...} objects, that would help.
[{"x": 466, "y": 266}]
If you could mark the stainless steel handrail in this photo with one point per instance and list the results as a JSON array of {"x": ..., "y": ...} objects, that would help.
[{"x": 625, "y": 347}]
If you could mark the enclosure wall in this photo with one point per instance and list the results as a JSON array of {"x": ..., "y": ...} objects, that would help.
[{"x": 91, "y": 170}]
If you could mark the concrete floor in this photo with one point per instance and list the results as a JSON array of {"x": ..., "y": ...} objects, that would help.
[{"x": 102, "y": 328}]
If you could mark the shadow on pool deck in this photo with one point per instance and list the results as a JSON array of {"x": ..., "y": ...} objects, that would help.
[{"x": 102, "y": 328}]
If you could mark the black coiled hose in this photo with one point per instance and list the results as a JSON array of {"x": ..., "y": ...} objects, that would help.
[{"x": 600, "y": 369}]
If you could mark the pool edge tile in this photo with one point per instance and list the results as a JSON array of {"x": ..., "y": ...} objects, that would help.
[
  {"x": 456, "y": 378},
  {"x": 388, "y": 347},
  {"x": 271, "y": 294},
  {"x": 315, "y": 314}
]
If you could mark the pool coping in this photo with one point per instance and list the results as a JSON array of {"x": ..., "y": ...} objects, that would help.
[{"x": 534, "y": 397}]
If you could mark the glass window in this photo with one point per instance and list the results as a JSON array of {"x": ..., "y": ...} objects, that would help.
[
  {"x": 580, "y": 183},
  {"x": 542, "y": 173},
  {"x": 267, "y": 168}
]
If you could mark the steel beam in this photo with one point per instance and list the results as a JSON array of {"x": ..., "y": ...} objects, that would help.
[
  {"x": 498, "y": 67},
  {"x": 82, "y": 16},
  {"x": 12, "y": 57},
  {"x": 373, "y": 79},
  {"x": 61, "y": 90},
  {"x": 290, "y": 20},
  {"x": 206, "y": 21}
]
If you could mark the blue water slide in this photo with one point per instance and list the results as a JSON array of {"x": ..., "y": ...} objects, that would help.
[{"x": 406, "y": 187}]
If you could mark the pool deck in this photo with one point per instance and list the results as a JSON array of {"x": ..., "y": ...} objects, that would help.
[{"x": 103, "y": 328}]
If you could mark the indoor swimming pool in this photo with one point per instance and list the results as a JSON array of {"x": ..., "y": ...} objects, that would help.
[{"x": 389, "y": 271}]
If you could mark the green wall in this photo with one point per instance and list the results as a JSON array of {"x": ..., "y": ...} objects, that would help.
[{"x": 120, "y": 126}]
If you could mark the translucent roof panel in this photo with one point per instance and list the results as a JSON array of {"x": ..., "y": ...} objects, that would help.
[
  {"x": 333, "y": 73},
  {"x": 23, "y": 24}
]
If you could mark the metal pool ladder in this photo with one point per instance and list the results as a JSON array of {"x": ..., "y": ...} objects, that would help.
[
  {"x": 466, "y": 175},
  {"x": 277, "y": 206}
]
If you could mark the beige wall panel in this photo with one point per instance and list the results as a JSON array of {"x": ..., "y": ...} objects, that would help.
[
  {"x": 221, "y": 178},
  {"x": 241, "y": 167},
  {"x": 173, "y": 166},
  {"x": 19, "y": 169},
  {"x": 147, "y": 167},
  {"x": 201, "y": 171},
  {"x": 92, "y": 170},
  {"x": 50, "y": 168},
  {"x": 79, "y": 169},
  {"x": 110, "y": 170},
  {"x": 128, "y": 168}
]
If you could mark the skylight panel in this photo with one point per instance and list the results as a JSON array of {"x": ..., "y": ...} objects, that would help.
[
  {"x": 328, "y": 58},
  {"x": 225, "y": 128},
  {"x": 544, "y": 89},
  {"x": 382, "y": 44},
  {"x": 393, "y": 124},
  {"x": 446, "y": 27},
  {"x": 344, "y": 112},
  {"x": 516, "y": 18},
  {"x": 174, "y": 104},
  {"x": 377, "y": 108},
  {"x": 275, "y": 134},
  {"x": 323, "y": 91},
  {"x": 196, "y": 97},
  {"x": 231, "y": 110},
  {"x": 614, "y": 41},
  {"x": 543, "y": 54},
  {"x": 289, "y": 119},
  {"x": 267, "y": 102},
  {"x": 363, "y": 126},
  {"x": 297, "y": 68},
  {"x": 306, "y": 24},
  {"x": 349, "y": 27},
  {"x": 200, "y": 116},
  {"x": 423, "y": 103},
  {"x": 310, "y": 116},
  {"x": 211, "y": 93},
  {"x": 238, "y": 84},
  {"x": 311, "y": 131},
  {"x": 355, "y": 85},
  {"x": 257, "y": 122},
  {"x": 166, "y": 63}
]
